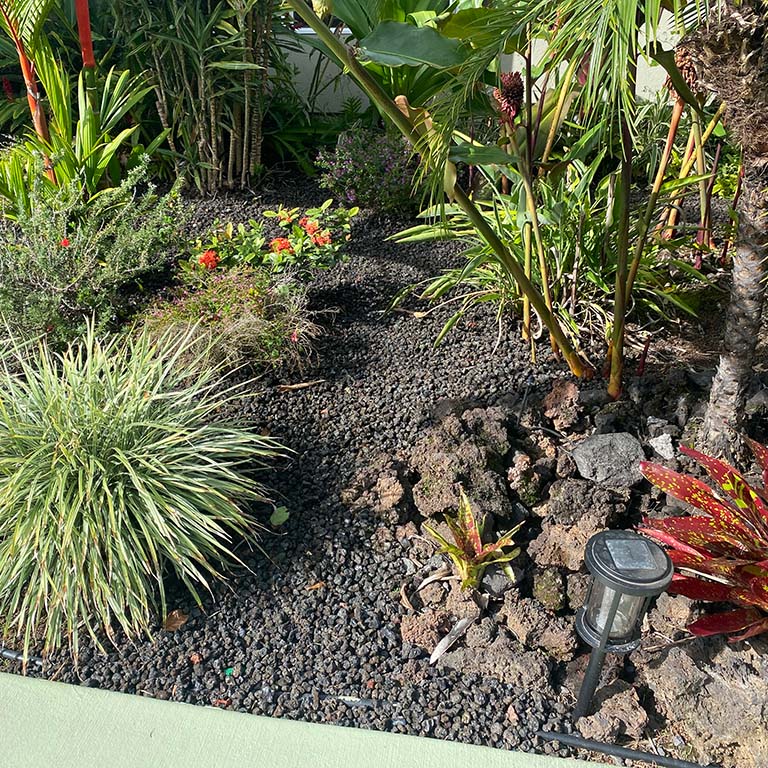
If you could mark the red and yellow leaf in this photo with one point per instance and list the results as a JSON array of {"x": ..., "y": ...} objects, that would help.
[
  {"x": 755, "y": 629},
  {"x": 704, "y": 533},
  {"x": 671, "y": 541},
  {"x": 752, "y": 509},
  {"x": 468, "y": 524},
  {"x": 760, "y": 453},
  {"x": 689, "y": 489}
]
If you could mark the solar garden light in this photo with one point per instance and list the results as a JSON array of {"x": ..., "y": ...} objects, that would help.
[{"x": 627, "y": 571}]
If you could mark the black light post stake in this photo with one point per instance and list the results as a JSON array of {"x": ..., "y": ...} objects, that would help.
[
  {"x": 627, "y": 570},
  {"x": 589, "y": 684}
]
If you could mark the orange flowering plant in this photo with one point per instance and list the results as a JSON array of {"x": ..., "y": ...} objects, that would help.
[{"x": 312, "y": 239}]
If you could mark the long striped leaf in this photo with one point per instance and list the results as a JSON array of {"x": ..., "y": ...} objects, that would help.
[
  {"x": 761, "y": 455},
  {"x": 688, "y": 489},
  {"x": 468, "y": 523},
  {"x": 708, "y": 534},
  {"x": 699, "y": 589}
]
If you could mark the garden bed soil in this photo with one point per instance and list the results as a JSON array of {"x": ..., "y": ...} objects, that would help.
[{"x": 333, "y": 626}]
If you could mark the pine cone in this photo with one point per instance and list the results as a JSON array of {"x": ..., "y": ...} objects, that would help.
[{"x": 509, "y": 96}]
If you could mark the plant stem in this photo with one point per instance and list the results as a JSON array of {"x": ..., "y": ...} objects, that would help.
[
  {"x": 530, "y": 204},
  {"x": 645, "y": 222},
  {"x": 407, "y": 128},
  {"x": 701, "y": 169},
  {"x": 688, "y": 160},
  {"x": 528, "y": 246},
  {"x": 83, "y": 16},
  {"x": 561, "y": 99},
  {"x": 33, "y": 92},
  {"x": 621, "y": 296}
]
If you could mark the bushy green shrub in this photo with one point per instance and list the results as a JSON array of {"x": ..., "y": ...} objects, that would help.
[
  {"x": 371, "y": 169},
  {"x": 113, "y": 471},
  {"x": 240, "y": 316},
  {"x": 70, "y": 260}
]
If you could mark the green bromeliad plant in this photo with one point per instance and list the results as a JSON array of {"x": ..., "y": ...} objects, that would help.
[
  {"x": 469, "y": 554},
  {"x": 721, "y": 554}
]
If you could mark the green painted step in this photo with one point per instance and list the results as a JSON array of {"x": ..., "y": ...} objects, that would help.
[{"x": 53, "y": 725}]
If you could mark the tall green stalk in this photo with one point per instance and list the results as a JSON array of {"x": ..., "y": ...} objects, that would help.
[
  {"x": 406, "y": 126},
  {"x": 645, "y": 222},
  {"x": 621, "y": 297}
]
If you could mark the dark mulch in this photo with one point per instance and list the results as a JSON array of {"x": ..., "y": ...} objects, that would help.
[{"x": 313, "y": 633}]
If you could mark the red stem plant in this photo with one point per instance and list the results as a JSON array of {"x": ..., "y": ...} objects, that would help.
[
  {"x": 39, "y": 120},
  {"x": 83, "y": 15},
  {"x": 721, "y": 554}
]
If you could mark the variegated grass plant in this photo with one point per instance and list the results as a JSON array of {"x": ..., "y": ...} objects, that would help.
[{"x": 115, "y": 470}]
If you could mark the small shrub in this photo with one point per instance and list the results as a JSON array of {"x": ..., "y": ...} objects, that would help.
[
  {"x": 113, "y": 470},
  {"x": 240, "y": 316},
  {"x": 313, "y": 240},
  {"x": 724, "y": 551},
  {"x": 372, "y": 170},
  {"x": 69, "y": 261}
]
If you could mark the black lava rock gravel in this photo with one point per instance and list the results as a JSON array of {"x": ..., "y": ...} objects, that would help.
[{"x": 313, "y": 632}]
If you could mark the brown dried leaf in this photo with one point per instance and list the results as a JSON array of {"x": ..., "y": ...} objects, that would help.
[
  {"x": 316, "y": 585},
  {"x": 302, "y": 385},
  {"x": 175, "y": 620}
]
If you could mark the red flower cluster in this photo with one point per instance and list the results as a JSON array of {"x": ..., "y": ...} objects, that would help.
[
  {"x": 210, "y": 259},
  {"x": 310, "y": 227},
  {"x": 322, "y": 238},
  {"x": 509, "y": 96},
  {"x": 281, "y": 244},
  {"x": 64, "y": 242}
]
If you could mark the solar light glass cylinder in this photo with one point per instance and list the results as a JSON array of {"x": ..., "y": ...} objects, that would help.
[{"x": 626, "y": 618}]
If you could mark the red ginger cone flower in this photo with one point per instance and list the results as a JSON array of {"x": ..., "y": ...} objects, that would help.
[{"x": 509, "y": 96}]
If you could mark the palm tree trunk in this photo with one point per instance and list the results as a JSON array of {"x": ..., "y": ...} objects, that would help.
[
  {"x": 742, "y": 322},
  {"x": 731, "y": 57}
]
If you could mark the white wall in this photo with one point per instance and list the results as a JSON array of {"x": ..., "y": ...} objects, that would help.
[{"x": 650, "y": 77}]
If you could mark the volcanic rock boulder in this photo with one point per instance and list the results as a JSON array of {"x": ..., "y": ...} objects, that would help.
[
  {"x": 504, "y": 659},
  {"x": 670, "y": 616},
  {"x": 716, "y": 693},
  {"x": 612, "y": 459},
  {"x": 562, "y": 404},
  {"x": 576, "y": 510},
  {"x": 424, "y": 630},
  {"x": 467, "y": 449},
  {"x": 535, "y": 627},
  {"x": 617, "y": 713}
]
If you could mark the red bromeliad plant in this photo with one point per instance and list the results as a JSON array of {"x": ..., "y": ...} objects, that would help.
[
  {"x": 470, "y": 556},
  {"x": 722, "y": 554}
]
